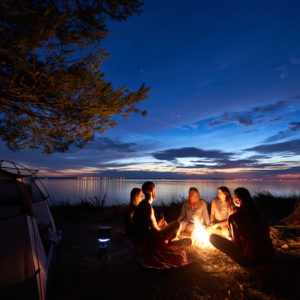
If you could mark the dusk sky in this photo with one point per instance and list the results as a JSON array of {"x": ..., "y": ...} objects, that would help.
[{"x": 224, "y": 99}]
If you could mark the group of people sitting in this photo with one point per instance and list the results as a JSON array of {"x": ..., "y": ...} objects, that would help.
[{"x": 246, "y": 239}]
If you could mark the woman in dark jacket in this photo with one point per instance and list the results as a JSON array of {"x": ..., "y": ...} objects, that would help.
[{"x": 249, "y": 232}]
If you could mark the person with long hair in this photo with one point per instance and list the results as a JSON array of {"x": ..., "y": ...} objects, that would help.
[
  {"x": 250, "y": 241},
  {"x": 136, "y": 196},
  {"x": 193, "y": 208},
  {"x": 221, "y": 208}
]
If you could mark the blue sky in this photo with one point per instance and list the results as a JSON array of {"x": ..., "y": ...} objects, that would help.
[{"x": 224, "y": 99}]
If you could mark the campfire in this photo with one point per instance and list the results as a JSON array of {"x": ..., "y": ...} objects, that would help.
[{"x": 200, "y": 235}]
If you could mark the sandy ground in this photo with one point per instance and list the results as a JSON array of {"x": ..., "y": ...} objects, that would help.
[{"x": 81, "y": 273}]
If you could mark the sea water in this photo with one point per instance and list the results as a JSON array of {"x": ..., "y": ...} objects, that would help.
[{"x": 116, "y": 192}]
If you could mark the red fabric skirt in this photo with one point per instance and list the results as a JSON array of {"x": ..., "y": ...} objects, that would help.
[{"x": 154, "y": 253}]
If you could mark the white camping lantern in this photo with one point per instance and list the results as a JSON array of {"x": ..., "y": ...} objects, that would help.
[{"x": 103, "y": 236}]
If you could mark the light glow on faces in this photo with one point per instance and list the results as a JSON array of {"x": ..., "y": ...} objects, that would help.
[
  {"x": 154, "y": 193},
  {"x": 194, "y": 197},
  {"x": 236, "y": 200},
  {"x": 139, "y": 197},
  {"x": 221, "y": 195}
]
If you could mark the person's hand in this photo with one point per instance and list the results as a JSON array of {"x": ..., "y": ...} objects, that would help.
[{"x": 213, "y": 226}]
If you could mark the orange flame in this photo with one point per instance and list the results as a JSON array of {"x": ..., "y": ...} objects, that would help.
[{"x": 200, "y": 235}]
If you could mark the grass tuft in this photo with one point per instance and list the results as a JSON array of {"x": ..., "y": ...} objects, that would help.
[
  {"x": 294, "y": 217},
  {"x": 275, "y": 207},
  {"x": 91, "y": 204},
  {"x": 171, "y": 210}
]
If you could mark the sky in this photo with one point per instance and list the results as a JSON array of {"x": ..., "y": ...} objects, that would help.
[{"x": 224, "y": 99}]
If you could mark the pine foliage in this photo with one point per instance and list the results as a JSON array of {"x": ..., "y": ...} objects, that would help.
[{"x": 52, "y": 91}]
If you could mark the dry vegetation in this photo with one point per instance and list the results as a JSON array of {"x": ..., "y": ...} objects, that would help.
[{"x": 80, "y": 273}]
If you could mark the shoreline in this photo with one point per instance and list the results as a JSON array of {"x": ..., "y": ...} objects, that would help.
[
  {"x": 168, "y": 179},
  {"x": 119, "y": 195},
  {"x": 274, "y": 207}
]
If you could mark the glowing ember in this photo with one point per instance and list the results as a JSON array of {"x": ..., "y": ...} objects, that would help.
[{"x": 200, "y": 236}]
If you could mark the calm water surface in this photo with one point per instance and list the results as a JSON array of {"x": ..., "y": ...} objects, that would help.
[{"x": 117, "y": 191}]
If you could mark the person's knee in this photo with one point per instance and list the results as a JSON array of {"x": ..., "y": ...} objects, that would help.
[
  {"x": 177, "y": 225},
  {"x": 213, "y": 238},
  {"x": 190, "y": 228},
  {"x": 182, "y": 225}
]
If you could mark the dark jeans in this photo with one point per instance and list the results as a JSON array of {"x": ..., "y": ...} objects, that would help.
[
  {"x": 235, "y": 253},
  {"x": 229, "y": 248}
]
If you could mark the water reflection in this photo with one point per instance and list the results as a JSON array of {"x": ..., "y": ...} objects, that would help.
[{"x": 117, "y": 191}]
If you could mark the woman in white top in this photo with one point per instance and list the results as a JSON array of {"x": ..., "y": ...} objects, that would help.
[
  {"x": 221, "y": 208},
  {"x": 191, "y": 209}
]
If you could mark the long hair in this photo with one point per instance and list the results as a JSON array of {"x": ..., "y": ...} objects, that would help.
[
  {"x": 132, "y": 205},
  {"x": 244, "y": 195},
  {"x": 228, "y": 198},
  {"x": 133, "y": 194},
  {"x": 198, "y": 204}
]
